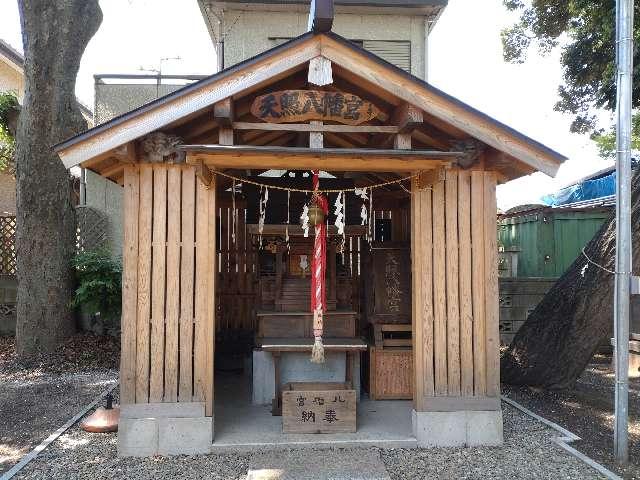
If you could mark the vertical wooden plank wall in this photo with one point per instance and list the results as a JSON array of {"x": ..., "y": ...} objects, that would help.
[
  {"x": 455, "y": 301},
  {"x": 129, "y": 286},
  {"x": 169, "y": 265}
]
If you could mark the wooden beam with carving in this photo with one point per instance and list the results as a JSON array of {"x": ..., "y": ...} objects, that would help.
[{"x": 305, "y": 105}]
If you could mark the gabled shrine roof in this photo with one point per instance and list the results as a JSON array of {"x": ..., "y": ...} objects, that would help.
[{"x": 361, "y": 66}]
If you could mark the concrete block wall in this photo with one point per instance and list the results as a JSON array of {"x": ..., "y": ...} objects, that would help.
[{"x": 518, "y": 298}]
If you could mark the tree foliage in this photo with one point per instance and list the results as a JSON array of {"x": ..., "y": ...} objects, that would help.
[
  {"x": 9, "y": 109},
  {"x": 606, "y": 141},
  {"x": 99, "y": 283},
  {"x": 585, "y": 32}
]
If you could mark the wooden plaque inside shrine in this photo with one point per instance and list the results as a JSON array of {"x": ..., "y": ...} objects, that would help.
[{"x": 388, "y": 294}]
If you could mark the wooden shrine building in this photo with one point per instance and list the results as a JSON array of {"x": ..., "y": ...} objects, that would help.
[{"x": 215, "y": 274}]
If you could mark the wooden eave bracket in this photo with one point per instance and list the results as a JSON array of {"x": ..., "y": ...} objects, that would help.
[
  {"x": 425, "y": 180},
  {"x": 159, "y": 147},
  {"x": 471, "y": 151}
]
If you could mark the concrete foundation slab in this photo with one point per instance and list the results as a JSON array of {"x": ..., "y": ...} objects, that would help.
[
  {"x": 457, "y": 429},
  {"x": 164, "y": 429},
  {"x": 361, "y": 465},
  {"x": 184, "y": 436},
  {"x": 137, "y": 437}
]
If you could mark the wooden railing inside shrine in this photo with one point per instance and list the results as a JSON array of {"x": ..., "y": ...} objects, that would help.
[{"x": 237, "y": 270}]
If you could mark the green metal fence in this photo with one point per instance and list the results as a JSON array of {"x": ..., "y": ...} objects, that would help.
[{"x": 548, "y": 240}]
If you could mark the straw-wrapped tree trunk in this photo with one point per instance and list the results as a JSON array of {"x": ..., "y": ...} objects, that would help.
[
  {"x": 55, "y": 34},
  {"x": 555, "y": 344}
]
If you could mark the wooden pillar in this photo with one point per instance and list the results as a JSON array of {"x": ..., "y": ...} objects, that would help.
[
  {"x": 455, "y": 292},
  {"x": 129, "y": 285},
  {"x": 422, "y": 297},
  {"x": 169, "y": 257}
]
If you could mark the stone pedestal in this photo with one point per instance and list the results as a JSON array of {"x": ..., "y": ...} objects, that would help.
[
  {"x": 457, "y": 429},
  {"x": 296, "y": 367},
  {"x": 164, "y": 429}
]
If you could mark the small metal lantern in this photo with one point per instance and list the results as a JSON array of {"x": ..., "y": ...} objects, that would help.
[{"x": 316, "y": 215}]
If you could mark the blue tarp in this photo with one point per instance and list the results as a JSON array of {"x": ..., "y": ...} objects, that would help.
[{"x": 589, "y": 190}]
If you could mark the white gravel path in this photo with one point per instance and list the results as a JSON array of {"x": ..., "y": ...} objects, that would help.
[{"x": 528, "y": 453}]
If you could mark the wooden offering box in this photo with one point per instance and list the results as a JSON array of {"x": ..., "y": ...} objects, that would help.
[
  {"x": 312, "y": 407},
  {"x": 391, "y": 363}
]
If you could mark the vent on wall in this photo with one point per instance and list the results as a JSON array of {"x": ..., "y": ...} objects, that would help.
[{"x": 397, "y": 52}]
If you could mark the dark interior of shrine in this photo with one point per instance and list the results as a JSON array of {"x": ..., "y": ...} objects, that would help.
[{"x": 264, "y": 278}]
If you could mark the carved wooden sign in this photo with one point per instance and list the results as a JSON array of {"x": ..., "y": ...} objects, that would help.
[
  {"x": 304, "y": 105},
  {"x": 391, "y": 282}
]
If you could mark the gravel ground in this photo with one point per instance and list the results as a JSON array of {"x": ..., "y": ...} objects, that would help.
[
  {"x": 528, "y": 452},
  {"x": 587, "y": 410},
  {"x": 38, "y": 398}
]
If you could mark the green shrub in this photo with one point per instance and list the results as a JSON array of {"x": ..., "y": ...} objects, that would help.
[{"x": 99, "y": 279}]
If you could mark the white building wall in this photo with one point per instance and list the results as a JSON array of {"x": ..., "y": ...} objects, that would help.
[{"x": 251, "y": 33}]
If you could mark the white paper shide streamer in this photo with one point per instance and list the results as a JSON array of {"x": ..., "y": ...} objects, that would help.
[
  {"x": 340, "y": 213},
  {"x": 305, "y": 220}
]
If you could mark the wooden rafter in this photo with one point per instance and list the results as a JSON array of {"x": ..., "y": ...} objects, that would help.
[{"x": 315, "y": 127}]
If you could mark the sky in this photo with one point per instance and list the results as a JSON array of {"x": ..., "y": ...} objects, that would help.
[{"x": 465, "y": 57}]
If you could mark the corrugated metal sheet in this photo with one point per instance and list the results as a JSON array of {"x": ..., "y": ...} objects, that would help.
[
  {"x": 549, "y": 241},
  {"x": 396, "y": 52}
]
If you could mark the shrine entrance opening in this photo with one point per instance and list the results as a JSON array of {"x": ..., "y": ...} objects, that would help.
[{"x": 264, "y": 322}]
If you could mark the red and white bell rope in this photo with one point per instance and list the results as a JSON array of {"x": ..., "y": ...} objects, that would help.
[{"x": 318, "y": 268}]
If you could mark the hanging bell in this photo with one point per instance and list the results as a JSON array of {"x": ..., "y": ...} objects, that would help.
[{"x": 316, "y": 215}]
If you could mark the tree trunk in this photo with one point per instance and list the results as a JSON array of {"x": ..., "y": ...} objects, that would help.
[
  {"x": 55, "y": 34},
  {"x": 575, "y": 317}
]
